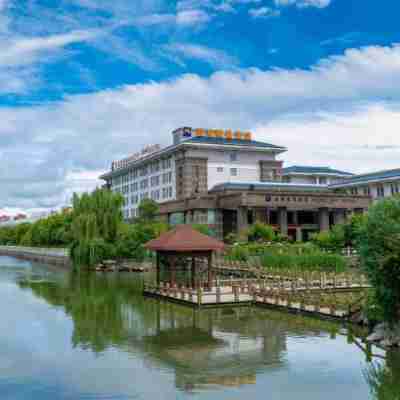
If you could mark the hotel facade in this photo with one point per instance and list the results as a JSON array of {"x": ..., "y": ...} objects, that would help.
[{"x": 227, "y": 180}]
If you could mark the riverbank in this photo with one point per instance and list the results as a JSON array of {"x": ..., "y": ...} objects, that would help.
[{"x": 43, "y": 255}]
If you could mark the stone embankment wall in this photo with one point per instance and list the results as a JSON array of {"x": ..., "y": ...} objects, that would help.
[{"x": 47, "y": 256}]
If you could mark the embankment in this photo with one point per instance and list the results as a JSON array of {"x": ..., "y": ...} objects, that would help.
[{"x": 47, "y": 256}]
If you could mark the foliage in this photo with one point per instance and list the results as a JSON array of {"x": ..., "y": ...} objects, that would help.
[
  {"x": 384, "y": 380},
  {"x": 148, "y": 210},
  {"x": 231, "y": 238},
  {"x": 52, "y": 231},
  {"x": 261, "y": 232},
  {"x": 131, "y": 239},
  {"x": 202, "y": 228},
  {"x": 333, "y": 240},
  {"x": 379, "y": 248},
  {"x": 341, "y": 235},
  {"x": 316, "y": 261},
  {"x": 238, "y": 253},
  {"x": 96, "y": 219}
]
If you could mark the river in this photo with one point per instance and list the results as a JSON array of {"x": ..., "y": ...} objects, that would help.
[{"x": 66, "y": 335}]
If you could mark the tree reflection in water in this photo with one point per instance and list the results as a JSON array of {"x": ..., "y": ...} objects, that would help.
[
  {"x": 224, "y": 347},
  {"x": 384, "y": 379}
]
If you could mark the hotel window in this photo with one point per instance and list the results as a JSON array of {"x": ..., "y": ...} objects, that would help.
[
  {"x": 220, "y": 169},
  {"x": 144, "y": 184},
  {"x": 234, "y": 171},
  {"x": 143, "y": 171},
  {"x": 233, "y": 156},
  {"x": 166, "y": 163},
  {"x": 155, "y": 180},
  {"x": 380, "y": 191},
  {"x": 322, "y": 180}
]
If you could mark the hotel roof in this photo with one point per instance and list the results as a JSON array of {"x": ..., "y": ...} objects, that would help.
[
  {"x": 300, "y": 169},
  {"x": 232, "y": 142},
  {"x": 372, "y": 177},
  {"x": 200, "y": 141},
  {"x": 247, "y": 186}
]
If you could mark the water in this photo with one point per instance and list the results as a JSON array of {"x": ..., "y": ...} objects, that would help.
[{"x": 80, "y": 336}]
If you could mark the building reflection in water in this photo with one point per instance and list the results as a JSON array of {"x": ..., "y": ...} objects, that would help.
[{"x": 217, "y": 347}]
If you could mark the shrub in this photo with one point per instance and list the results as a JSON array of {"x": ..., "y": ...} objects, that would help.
[
  {"x": 261, "y": 232},
  {"x": 333, "y": 240},
  {"x": 308, "y": 262}
]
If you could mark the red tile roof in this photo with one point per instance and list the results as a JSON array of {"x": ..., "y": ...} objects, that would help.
[{"x": 184, "y": 238}]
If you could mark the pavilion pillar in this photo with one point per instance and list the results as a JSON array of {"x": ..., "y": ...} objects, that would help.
[
  {"x": 158, "y": 269},
  {"x": 324, "y": 219},
  {"x": 209, "y": 283},
  {"x": 192, "y": 273},
  {"x": 173, "y": 271},
  {"x": 283, "y": 220}
]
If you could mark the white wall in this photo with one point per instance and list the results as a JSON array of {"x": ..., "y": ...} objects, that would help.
[{"x": 247, "y": 165}]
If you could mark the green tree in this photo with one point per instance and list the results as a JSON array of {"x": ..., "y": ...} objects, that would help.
[
  {"x": 379, "y": 248},
  {"x": 96, "y": 220},
  {"x": 148, "y": 210}
]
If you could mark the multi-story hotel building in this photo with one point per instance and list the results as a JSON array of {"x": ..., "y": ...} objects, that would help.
[{"x": 228, "y": 180}]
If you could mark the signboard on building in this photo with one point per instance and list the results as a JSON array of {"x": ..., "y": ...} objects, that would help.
[{"x": 187, "y": 132}]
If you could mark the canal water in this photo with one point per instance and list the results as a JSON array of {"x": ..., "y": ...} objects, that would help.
[{"x": 67, "y": 335}]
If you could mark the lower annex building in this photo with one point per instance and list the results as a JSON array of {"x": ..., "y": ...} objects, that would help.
[{"x": 228, "y": 180}]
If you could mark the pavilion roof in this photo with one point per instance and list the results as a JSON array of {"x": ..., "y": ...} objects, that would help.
[{"x": 184, "y": 238}]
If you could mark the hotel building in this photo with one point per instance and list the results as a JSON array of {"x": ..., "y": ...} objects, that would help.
[{"x": 228, "y": 180}]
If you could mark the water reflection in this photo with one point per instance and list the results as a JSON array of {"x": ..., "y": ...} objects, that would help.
[
  {"x": 201, "y": 351},
  {"x": 384, "y": 379}
]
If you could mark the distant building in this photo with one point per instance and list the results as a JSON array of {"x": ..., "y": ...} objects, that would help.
[
  {"x": 228, "y": 180},
  {"x": 377, "y": 185},
  {"x": 313, "y": 175}
]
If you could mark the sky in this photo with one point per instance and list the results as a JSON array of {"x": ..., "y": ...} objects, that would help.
[{"x": 83, "y": 82}]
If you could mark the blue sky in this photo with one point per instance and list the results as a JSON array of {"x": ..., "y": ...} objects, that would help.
[{"x": 85, "y": 81}]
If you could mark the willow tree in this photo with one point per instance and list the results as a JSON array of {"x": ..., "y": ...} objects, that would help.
[{"x": 96, "y": 219}]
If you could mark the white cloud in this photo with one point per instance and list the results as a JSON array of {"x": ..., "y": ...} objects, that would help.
[
  {"x": 304, "y": 3},
  {"x": 192, "y": 17},
  {"x": 205, "y": 54},
  {"x": 20, "y": 57},
  {"x": 263, "y": 12},
  {"x": 360, "y": 140},
  {"x": 22, "y": 51},
  {"x": 342, "y": 111}
]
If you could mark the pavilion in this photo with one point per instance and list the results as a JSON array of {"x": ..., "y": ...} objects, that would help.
[{"x": 183, "y": 243}]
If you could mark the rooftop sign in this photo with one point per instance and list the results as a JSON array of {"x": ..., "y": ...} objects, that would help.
[
  {"x": 136, "y": 156},
  {"x": 187, "y": 132}
]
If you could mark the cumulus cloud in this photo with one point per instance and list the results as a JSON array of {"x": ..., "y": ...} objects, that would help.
[{"x": 344, "y": 111}]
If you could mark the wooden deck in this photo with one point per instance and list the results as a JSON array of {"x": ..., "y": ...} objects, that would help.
[{"x": 305, "y": 297}]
